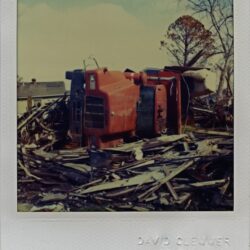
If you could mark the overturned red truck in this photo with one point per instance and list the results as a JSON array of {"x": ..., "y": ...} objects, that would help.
[{"x": 108, "y": 107}]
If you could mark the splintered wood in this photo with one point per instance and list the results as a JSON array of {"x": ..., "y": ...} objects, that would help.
[
  {"x": 192, "y": 171},
  {"x": 167, "y": 173}
]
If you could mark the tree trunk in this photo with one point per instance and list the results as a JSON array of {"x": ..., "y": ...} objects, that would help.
[{"x": 222, "y": 79}]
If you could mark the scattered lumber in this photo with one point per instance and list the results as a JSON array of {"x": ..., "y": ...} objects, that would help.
[
  {"x": 207, "y": 112},
  {"x": 179, "y": 178},
  {"x": 187, "y": 172}
]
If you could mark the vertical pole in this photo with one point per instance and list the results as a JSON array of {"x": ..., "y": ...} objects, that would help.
[
  {"x": 178, "y": 102},
  {"x": 29, "y": 104}
]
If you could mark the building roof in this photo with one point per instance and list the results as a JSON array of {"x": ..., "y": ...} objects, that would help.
[{"x": 40, "y": 89}]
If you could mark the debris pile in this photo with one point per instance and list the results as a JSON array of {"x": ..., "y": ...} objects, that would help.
[
  {"x": 44, "y": 125},
  {"x": 188, "y": 172},
  {"x": 208, "y": 112}
]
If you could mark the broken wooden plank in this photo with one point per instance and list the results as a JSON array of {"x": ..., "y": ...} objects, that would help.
[
  {"x": 49, "y": 197},
  {"x": 61, "y": 158},
  {"x": 31, "y": 117},
  {"x": 184, "y": 197},
  {"x": 91, "y": 183},
  {"x": 49, "y": 208},
  {"x": 125, "y": 148},
  {"x": 140, "y": 209},
  {"x": 121, "y": 192},
  {"x": 81, "y": 150},
  {"x": 206, "y": 111},
  {"x": 213, "y": 132},
  {"x": 171, "y": 190},
  {"x": 38, "y": 113},
  {"x": 144, "y": 178},
  {"x": 137, "y": 164},
  {"x": 207, "y": 184},
  {"x": 203, "y": 184},
  {"x": 162, "y": 140},
  {"x": 147, "y": 193},
  {"x": 26, "y": 170},
  {"x": 45, "y": 155},
  {"x": 164, "y": 201},
  {"x": 170, "y": 187},
  {"x": 156, "y": 142},
  {"x": 167, "y": 178},
  {"x": 151, "y": 198},
  {"x": 83, "y": 168},
  {"x": 144, "y": 164},
  {"x": 43, "y": 126}
]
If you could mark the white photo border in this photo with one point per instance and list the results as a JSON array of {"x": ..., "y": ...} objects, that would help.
[{"x": 123, "y": 230}]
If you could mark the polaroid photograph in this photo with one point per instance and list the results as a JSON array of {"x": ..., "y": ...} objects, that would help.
[
  {"x": 119, "y": 110},
  {"x": 125, "y": 113}
]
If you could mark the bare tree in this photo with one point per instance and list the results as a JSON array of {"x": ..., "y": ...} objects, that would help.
[
  {"x": 188, "y": 42},
  {"x": 220, "y": 15}
]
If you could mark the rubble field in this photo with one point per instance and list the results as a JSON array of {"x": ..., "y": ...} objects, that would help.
[{"x": 192, "y": 171}]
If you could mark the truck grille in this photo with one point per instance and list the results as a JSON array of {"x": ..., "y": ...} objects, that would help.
[{"x": 94, "y": 112}]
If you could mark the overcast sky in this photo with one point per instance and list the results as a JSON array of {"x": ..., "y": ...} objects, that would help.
[{"x": 55, "y": 36}]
